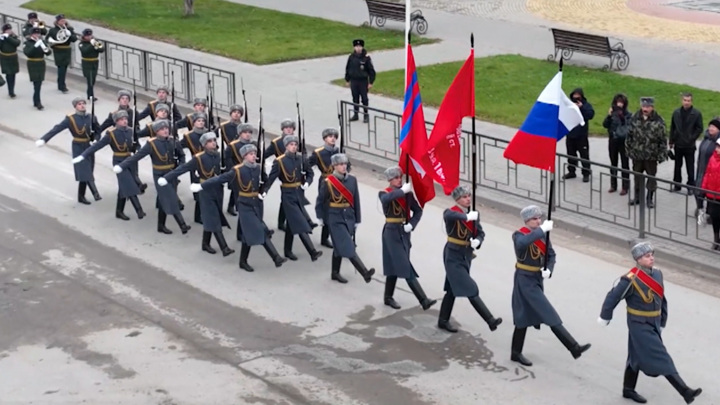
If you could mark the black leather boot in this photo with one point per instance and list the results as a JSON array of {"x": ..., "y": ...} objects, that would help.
[
  {"x": 335, "y": 270},
  {"x": 629, "y": 383},
  {"x": 305, "y": 239},
  {"x": 325, "y": 237},
  {"x": 569, "y": 342},
  {"x": 94, "y": 190},
  {"x": 181, "y": 223},
  {"x": 138, "y": 208},
  {"x": 162, "y": 217},
  {"x": 650, "y": 199},
  {"x": 636, "y": 200},
  {"x": 484, "y": 312},
  {"x": 360, "y": 267},
  {"x": 82, "y": 186},
  {"x": 445, "y": 310},
  {"x": 287, "y": 248},
  {"x": 206, "y": 243},
  {"x": 270, "y": 248},
  {"x": 415, "y": 287},
  {"x": 226, "y": 251},
  {"x": 281, "y": 219},
  {"x": 231, "y": 204},
  {"x": 198, "y": 217},
  {"x": 244, "y": 253},
  {"x": 687, "y": 393},
  {"x": 518, "y": 341},
  {"x": 390, "y": 282},
  {"x": 120, "y": 208}
]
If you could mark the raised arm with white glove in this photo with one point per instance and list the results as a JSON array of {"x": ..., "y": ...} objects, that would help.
[
  {"x": 194, "y": 187},
  {"x": 473, "y": 215},
  {"x": 406, "y": 188},
  {"x": 39, "y": 143},
  {"x": 117, "y": 169},
  {"x": 547, "y": 226},
  {"x": 78, "y": 159},
  {"x": 603, "y": 322}
]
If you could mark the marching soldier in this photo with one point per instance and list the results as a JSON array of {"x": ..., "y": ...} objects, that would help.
[
  {"x": 162, "y": 112},
  {"x": 360, "y": 76},
  {"x": 233, "y": 156},
  {"x": 60, "y": 37},
  {"x": 90, "y": 49},
  {"x": 529, "y": 304},
  {"x": 191, "y": 141},
  {"x": 162, "y": 98},
  {"x": 207, "y": 165},
  {"x": 83, "y": 128},
  {"x": 277, "y": 149},
  {"x": 464, "y": 234},
  {"x": 338, "y": 208},
  {"x": 246, "y": 181},
  {"x": 35, "y": 50},
  {"x": 199, "y": 107},
  {"x": 643, "y": 290},
  {"x": 162, "y": 150},
  {"x": 287, "y": 167},
  {"x": 33, "y": 22},
  {"x": 9, "y": 42},
  {"x": 120, "y": 140},
  {"x": 229, "y": 130},
  {"x": 398, "y": 202}
]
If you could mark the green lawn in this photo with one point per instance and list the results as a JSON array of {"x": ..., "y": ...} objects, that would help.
[
  {"x": 250, "y": 34},
  {"x": 508, "y": 85}
]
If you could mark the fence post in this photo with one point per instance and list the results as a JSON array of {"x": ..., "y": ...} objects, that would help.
[{"x": 642, "y": 204}]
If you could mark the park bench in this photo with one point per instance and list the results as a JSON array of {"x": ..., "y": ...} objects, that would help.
[
  {"x": 569, "y": 42},
  {"x": 381, "y": 11}
]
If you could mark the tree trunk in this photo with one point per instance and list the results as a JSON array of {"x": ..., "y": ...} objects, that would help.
[{"x": 189, "y": 9}]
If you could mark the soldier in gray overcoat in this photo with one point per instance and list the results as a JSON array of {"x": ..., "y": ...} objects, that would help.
[
  {"x": 162, "y": 98},
  {"x": 338, "y": 209},
  {"x": 161, "y": 150},
  {"x": 191, "y": 142},
  {"x": 230, "y": 131},
  {"x": 246, "y": 180},
  {"x": 83, "y": 128},
  {"x": 206, "y": 165},
  {"x": 464, "y": 234},
  {"x": 162, "y": 113},
  {"x": 529, "y": 304},
  {"x": 120, "y": 140},
  {"x": 288, "y": 169},
  {"x": 188, "y": 122},
  {"x": 643, "y": 290},
  {"x": 396, "y": 243}
]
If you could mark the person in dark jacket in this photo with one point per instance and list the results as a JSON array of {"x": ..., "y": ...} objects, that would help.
[
  {"x": 705, "y": 151},
  {"x": 685, "y": 129},
  {"x": 577, "y": 140},
  {"x": 617, "y": 123},
  {"x": 360, "y": 76}
]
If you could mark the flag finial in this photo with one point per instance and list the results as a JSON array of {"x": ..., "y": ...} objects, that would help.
[
  {"x": 408, "y": 36},
  {"x": 560, "y": 64},
  {"x": 472, "y": 40}
]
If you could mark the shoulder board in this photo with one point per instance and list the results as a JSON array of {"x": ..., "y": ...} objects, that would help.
[
  {"x": 277, "y": 139},
  {"x": 319, "y": 149},
  {"x": 630, "y": 275},
  {"x": 225, "y": 123},
  {"x": 280, "y": 157},
  {"x": 234, "y": 142},
  {"x": 153, "y": 102},
  {"x": 200, "y": 154}
]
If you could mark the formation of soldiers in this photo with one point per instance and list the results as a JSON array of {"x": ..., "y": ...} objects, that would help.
[{"x": 40, "y": 42}]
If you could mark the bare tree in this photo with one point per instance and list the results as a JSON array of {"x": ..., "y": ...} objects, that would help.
[{"x": 189, "y": 9}]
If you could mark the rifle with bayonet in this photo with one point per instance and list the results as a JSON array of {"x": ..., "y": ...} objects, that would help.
[
  {"x": 136, "y": 141},
  {"x": 176, "y": 158},
  {"x": 261, "y": 148},
  {"x": 301, "y": 143},
  {"x": 245, "y": 109}
]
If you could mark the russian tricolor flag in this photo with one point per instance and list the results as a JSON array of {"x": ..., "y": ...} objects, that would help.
[{"x": 551, "y": 118}]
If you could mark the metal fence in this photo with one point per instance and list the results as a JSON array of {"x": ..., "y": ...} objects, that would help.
[
  {"x": 673, "y": 217},
  {"x": 149, "y": 70}
]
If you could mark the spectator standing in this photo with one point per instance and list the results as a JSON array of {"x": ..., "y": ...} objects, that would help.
[
  {"x": 577, "y": 140},
  {"x": 646, "y": 145},
  {"x": 705, "y": 151},
  {"x": 711, "y": 183},
  {"x": 685, "y": 128},
  {"x": 617, "y": 123},
  {"x": 360, "y": 76}
]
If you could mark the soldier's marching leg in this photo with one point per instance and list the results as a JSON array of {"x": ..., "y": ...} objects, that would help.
[
  {"x": 36, "y": 95},
  {"x": 11, "y": 85},
  {"x": 120, "y": 209},
  {"x": 281, "y": 219},
  {"x": 224, "y": 248},
  {"x": 518, "y": 341},
  {"x": 270, "y": 248},
  {"x": 335, "y": 270},
  {"x": 287, "y": 248},
  {"x": 325, "y": 237},
  {"x": 687, "y": 393},
  {"x": 138, "y": 207},
  {"x": 360, "y": 266},
  {"x": 181, "y": 223},
  {"x": 484, "y": 312},
  {"x": 244, "y": 253},
  {"x": 390, "y": 282},
  {"x": 198, "y": 217},
  {"x": 94, "y": 190},
  {"x": 61, "y": 75},
  {"x": 206, "y": 243},
  {"x": 422, "y": 298},
  {"x": 629, "y": 383},
  {"x": 307, "y": 242},
  {"x": 569, "y": 342},
  {"x": 231, "y": 205},
  {"x": 445, "y": 310},
  {"x": 162, "y": 217},
  {"x": 82, "y": 187}
]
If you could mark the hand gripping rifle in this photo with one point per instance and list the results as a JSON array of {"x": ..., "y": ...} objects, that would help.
[
  {"x": 136, "y": 141},
  {"x": 261, "y": 148},
  {"x": 245, "y": 110},
  {"x": 176, "y": 158}
]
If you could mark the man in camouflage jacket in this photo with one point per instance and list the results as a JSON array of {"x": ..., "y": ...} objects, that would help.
[{"x": 646, "y": 145}]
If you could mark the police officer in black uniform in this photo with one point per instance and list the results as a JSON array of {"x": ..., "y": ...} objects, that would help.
[{"x": 360, "y": 76}]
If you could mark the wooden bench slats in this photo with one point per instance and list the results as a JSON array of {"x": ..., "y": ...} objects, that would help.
[
  {"x": 380, "y": 10},
  {"x": 569, "y": 42}
]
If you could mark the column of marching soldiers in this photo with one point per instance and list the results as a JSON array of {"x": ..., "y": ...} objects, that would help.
[{"x": 241, "y": 165}]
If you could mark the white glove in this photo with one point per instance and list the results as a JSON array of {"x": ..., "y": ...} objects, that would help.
[
  {"x": 39, "y": 143},
  {"x": 38, "y": 44},
  {"x": 547, "y": 226},
  {"x": 474, "y": 243},
  {"x": 78, "y": 159},
  {"x": 262, "y": 196},
  {"x": 305, "y": 186},
  {"x": 408, "y": 228},
  {"x": 5, "y": 35},
  {"x": 162, "y": 182},
  {"x": 603, "y": 322},
  {"x": 546, "y": 273},
  {"x": 473, "y": 215},
  {"x": 194, "y": 187},
  {"x": 406, "y": 188},
  {"x": 320, "y": 222},
  {"x": 117, "y": 169}
]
